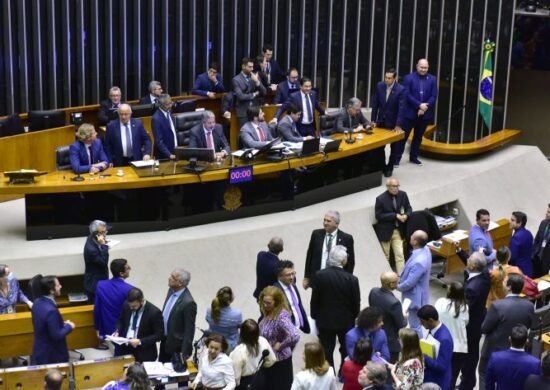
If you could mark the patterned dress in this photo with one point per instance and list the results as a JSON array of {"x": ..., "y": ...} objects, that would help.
[{"x": 411, "y": 375}]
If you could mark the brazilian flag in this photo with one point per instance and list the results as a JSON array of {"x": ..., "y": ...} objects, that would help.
[{"x": 486, "y": 83}]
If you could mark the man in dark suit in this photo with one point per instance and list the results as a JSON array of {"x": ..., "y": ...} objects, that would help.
[
  {"x": 209, "y": 83},
  {"x": 508, "y": 370},
  {"x": 286, "y": 128},
  {"x": 96, "y": 258},
  {"x": 351, "y": 119},
  {"x": 141, "y": 323},
  {"x": 267, "y": 264},
  {"x": 392, "y": 209},
  {"x": 306, "y": 100},
  {"x": 335, "y": 302},
  {"x": 388, "y": 109},
  {"x": 126, "y": 139},
  {"x": 374, "y": 376},
  {"x": 273, "y": 71},
  {"x": 521, "y": 244},
  {"x": 541, "y": 251},
  {"x": 208, "y": 134},
  {"x": 322, "y": 241},
  {"x": 179, "y": 313},
  {"x": 383, "y": 298},
  {"x": 421, "y": 91},
  {"x": 476, "y": 289},
  {"x": 247, "y": 89},
  {"x": 286, "y": 281},
  {"x": 286, "y": 87},
  {"x": 49, "y": 344},
  {"x": 255, "y": 133},
  {"x": 164, "y": 131},
  {"x": 542, "y": 381},
  {"x": 86, "y": 153},
  {"x": 155, "y": 90},
  {"x": 109, "y": 105},
  {"x": 501, "y": 317}
]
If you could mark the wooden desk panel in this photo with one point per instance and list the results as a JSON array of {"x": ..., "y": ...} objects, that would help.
[
  {"x": 96, "y": 373},
  {"x": 32, "y": 377}
]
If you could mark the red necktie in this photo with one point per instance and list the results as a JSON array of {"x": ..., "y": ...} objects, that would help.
[
  {"x": 262, "y": 135},
  {"x": 209, "y": 143}
]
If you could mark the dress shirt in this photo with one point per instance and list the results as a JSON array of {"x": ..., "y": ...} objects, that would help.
[
  {"x": 207, "y": 134},
  {"x": 473, "y": 274},
  {"x": 132, "y": 332},
  {"x": 228, "y": 324},
  {"x": 295, "y": 310},
  {"x": 259, "y": 132},
  {"x": 169, "y": 117},
  {"x": 479, "y": 238},
  {"x": 309, "y": 379},
  {"x": 153, "y": 98},
  {"x": 245, "y": 364},
  {"x": 169, "y": 305},
  {"x": 326, "y": 249},
  {"x": 217, "y": 373},
  {"x": 456, "y": 325},
  {"x": 306, "y": 101}
]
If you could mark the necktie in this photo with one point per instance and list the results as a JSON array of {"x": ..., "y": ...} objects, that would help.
[
  {"x": 296, "y": 304},
  {"x": 91, "y": 157},
  {"x": 394, "y": 201},
  {"x": 129, "y": 152},
  {"x": 167, "y": 310},
  {"x": 155, "y": 100},
  {"x": 261, "y": 133},
  {"x": 209, "y": 141},
  {"x": 388, "y": 91},
  {"x": 329, "y": 242},
  {"x": 134, "y": 323},
  {"x": 308, "y": 107},
  {"x": 294, "y": 128}
]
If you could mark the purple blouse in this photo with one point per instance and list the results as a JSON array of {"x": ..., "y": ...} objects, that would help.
[
  {"x": 282, "y": 330},
  {"x": 7, "y": 303}
]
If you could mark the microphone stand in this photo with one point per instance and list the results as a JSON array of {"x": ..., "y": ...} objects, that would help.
[{"x": 437, "y": 125}]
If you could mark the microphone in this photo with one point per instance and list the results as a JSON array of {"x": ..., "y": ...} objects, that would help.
[{"x": 265, "y": 353}]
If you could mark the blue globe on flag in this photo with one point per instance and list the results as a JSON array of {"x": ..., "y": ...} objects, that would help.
[{"x": 486, "y": 87}]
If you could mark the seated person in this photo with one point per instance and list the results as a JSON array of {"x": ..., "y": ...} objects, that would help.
[
  {"x": 10, "y": 293},
  {"x": 285, "y": 88},
  {"x": 286, "y": 128},
  {"x": 255, "y": 133},
  {"x": 208, "y": 134},
  {"x": 86, "y": 153},
  {"x": 164, "y": 131},
  {"x": 351, "y": 119},
  {"x": 109, "y": 105},
  {"x": 209, "y": 83},
  {"x": 155, "y": 90},
  {"x": 135, "y": 377},
  {"x": 126, "y": 139}
]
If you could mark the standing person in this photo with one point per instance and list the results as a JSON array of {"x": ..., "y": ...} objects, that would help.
[
  {"x": 415, "y": 279},
  {"x": 362, "y": 353},
  {"x": 155, "y": 90},
  {"x": 10, "y": 293},
  {"x": 222, "y": 318},
  {"x": 96, "y": 258},
  {"x": 335, "y": 302},
  {"x": 408, "y": 372},
  {"x": 286, "y": 281},
  {"x": 50, "y": 331},
  {"x": 286, "y": 87},
  {"x": 421, "y": 92},
  {"x": 383, "y": 298},
  {"x": 317, "y": 374},
  {"x": 163, "y": 128},
  {"x": 321, "y": 243},
  {"x": 369, "y": 325},
  {"x": 179, "y": 313},
  {"x": 521, "y": 243},
  {"x": 392, "y": 210},
  {"x": 209, "y": 83},
  {"x": 499, "y": 273},
  {"x": 542, "y": 381},
  {"x": 453, "y": 312},
  {"x": 388, "y": 110},
  {"x": 247, "y": 89},
  {"x": 541, "y": 252},
  {"x": 216, "y": 368},
  {"x": 479, "y": 238},
  {"x": 277, "y": 328},
  {"x": 247, "y": 356},
  {"x": 267, "y": 264},
  {"x": 273, "y": 71},
  {"x": 109, "y": 105}
]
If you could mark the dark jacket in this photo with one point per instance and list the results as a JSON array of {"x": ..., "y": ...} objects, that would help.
[
  {"x": 305, "y": 327},
  {"x": 316, "y": 247},
  {"x": 266, "y": 271},
  {"x": 141, "y": 142},
  {"x": 180, "y": 326},
  {"x": 393, "y": 315},
  {"x": 96, "y": 260},
  {"x": 385, "y": 214},
  {"x": 388, "y": 113}
]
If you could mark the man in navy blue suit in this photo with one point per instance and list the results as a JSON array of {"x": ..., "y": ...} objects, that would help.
[
  {"x": 266, "y": 265},
  {"x": 388, "y": 109},
  {"x": 274, "y": 73},
  {"x": 209, "y": 134},
  {"x": 126, "y": 139},
  {"x": 155, "y": 90},
  {"x": 508, "y": 370},
  {"x": 521, "y": 243},
  {"x": 306, "y": 100},
  {"x": 164, "y": 131},
  {"x": 286, "y": 87},
  {"x": 49, "y": 344},
  {"x": 87, "y": 154},
  {"x": 421, "y": 89},
  {"x": 209, "y": 83}
]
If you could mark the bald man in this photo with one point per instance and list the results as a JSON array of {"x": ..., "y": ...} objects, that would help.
[
  {"x": 383, "y": 298},
  {"x": 53, "y": 380},
  {"x": 415, "y": 279}
]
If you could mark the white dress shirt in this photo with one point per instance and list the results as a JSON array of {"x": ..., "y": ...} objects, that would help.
[
  {"x": 305, "y": 115},
  {"x": 457, "y": 326},
  {"x": 132, "y": 333},
  {"x": 245, "y": 364},
  {"x": 216, "y": 373},
  {"x": 167, "y": 115},
  {"x": 123, "y": 137},
  {"x": 294, "y": 309},
  {"x": 309, "y": 380},
  {"x": 326, "y": 250}
]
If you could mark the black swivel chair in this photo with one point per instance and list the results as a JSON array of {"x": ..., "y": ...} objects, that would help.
[
  {"x": 327, "y": 124},
  {"x": 184, "y": 122},
  {"x": 62, "y": 158}
]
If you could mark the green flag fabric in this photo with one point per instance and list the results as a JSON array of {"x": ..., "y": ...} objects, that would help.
[{"x": 486, "y": 83}]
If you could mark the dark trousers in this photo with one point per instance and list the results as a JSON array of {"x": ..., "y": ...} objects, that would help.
[
  {"x": 279, "y": 376},
  {"x": 419, "y": 125},
  {"x": 327, "y": 338},
  {"x": 306, "y": 130},
  {"x": 458, "y": 361},
  {"x": 468, "y": 381}
]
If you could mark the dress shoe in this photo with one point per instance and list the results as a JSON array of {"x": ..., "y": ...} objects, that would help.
[
  {"x": 388, "y": 170},
  {"x": 416, "y": 161}
]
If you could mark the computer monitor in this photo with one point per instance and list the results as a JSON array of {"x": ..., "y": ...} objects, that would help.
[
  {"x": 193, "y": 155},
  {"x": 40, "y": 120},
  {"x": 11, "y": 125},
  {"x": 184, "y": 106},
  {"x": 141, "y": 110}
]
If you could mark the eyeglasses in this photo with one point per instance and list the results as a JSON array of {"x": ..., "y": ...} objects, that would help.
[{"x": 393, "y": 185}]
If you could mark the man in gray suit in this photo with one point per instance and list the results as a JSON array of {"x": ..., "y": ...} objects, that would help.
[
  {"x": 286, "y": 128},
  {"x": 501, "y": 317},
  {"x": 255, "y": 133},
  {"x": 247, "y": 89},
  {"x": 383, "y": 298}
]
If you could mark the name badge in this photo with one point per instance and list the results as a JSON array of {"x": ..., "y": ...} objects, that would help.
[{"x": 10, "y": 310}]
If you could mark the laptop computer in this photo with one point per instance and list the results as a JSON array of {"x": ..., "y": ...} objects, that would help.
[
  {"x": 332, "y": 146},
  {"x": 309, "y": 147}
]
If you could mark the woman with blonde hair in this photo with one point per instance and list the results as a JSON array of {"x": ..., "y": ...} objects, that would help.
[
  {"x": 317, "y": 374},
  {"x": 499, "y": 273},
  {"x": 408, "y": 372},
  {"x": 10, "y": 292},
  {"x": 223, "y": 319},
  {"x": 277, "y": 328}
]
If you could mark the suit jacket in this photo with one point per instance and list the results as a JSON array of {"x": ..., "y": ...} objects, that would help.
[
  {"x": 96, "y": 260},
  {"x": 164, "y": 136},
  {"x": 110, "y": 296},
  {"x": 249, "y": 137},
  {"x": 305, "y": 327},
  {"x": 203, "y": 85},
  {"x": 316, "y": 247},
  {"x": 521, "y": 249},
  {"x": 49, "y": 343},
  {"x": 536, "y": 382},
  {"x": 105, "y": 108},
  {"x": 296, "y": 98},
  {"x": 335, "y": 298},
  {"x": 283, "y": 92},
  {"x": 420, "y": 90},
  {"x": 389, "y": 112},
  {"x": 501, "y": 317},
  {"x": 415, "y": 278},
  {"x": 542, "y": 255},
  {"x": 385, "y": 214},
  {"x": 146, "y": 100},
  {"x": 439, "y": 370},
  {"x": 79, "y": 156},
  {"x": 422, "y": 220},
  {"x": 379, "y": 341},
  {"x": 275, "y": 72},
  {"x": 393, "y": 315},
  {"x": 243, "y": 93},
  {"x": 508, "y": 370},
  {"x": 286, "y": 129},
  {"x": 266, "y": 271},
  {"x": 181, "y": 324},
  {"x": 476, "y": 290},
  {"x": 141, "y": 142},
  {"x": 197, "y": 139},
  {"x": 150, "y": 330},
  {"x": 345, "y": 122}
]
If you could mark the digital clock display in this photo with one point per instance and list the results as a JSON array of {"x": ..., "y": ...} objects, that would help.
[{"x": 240, "y": 175}]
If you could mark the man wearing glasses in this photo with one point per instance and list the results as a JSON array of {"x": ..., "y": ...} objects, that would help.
[
  {"x": 285, "y": 88},
  {"x": 96, "y": 258}
]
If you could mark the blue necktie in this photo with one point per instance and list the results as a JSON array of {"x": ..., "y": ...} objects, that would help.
[
  {"x": 167, "y": 310},
  {"x": 308, "y": 107},
  {"x": 129, "y": 152}
]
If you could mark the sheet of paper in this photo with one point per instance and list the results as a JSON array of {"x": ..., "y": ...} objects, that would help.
[
  {"x": 406, "y": 304},
  {"x": 141, "y": 164},
  {"x": 112, "y": 243},
  {"x": 117, "y": 340}
]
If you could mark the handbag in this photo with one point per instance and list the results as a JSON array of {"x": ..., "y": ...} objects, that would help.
[{"x": 178, "y": 362}]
